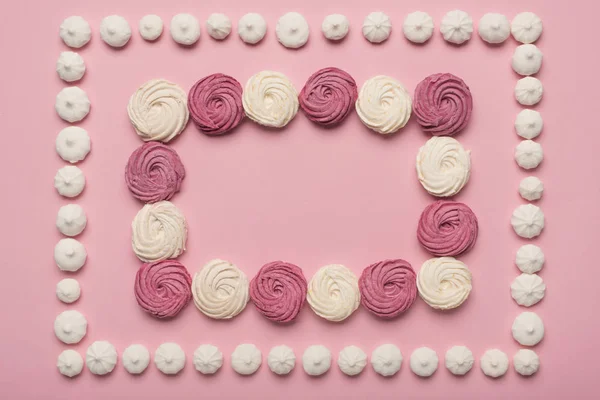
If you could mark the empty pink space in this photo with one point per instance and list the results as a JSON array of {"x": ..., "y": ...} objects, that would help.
[{"x": 303, "y": 194}]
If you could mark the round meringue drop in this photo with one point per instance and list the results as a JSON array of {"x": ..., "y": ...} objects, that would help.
[
  {"x": 115, "y": 31},
  {"x": 528, "y": 289},
  {"x": 69, "y": 255},
  {"x": 456, "y": 27},
  {"x": 73, "y": 144},
  {"x": 531, "y": 188},
  {"x": 529, "y": 154},
  {"x": 252, "y": 28},
  {"x": 383, "y": 104},
  {"x": 169, "y": 358},
  {"x": 528, "y": 329},
  {"x": 418, "y": 27},
  {"x": 70, "y": 66},
  {"x": 377, "y": 27},
  {"x": 333, "y": 292},
  {"x": 101, "y": 357},
  {"x": 526, "y": 27},
  {"x": 150, "y": 27},
  {"x": 386, "y": 359},
  {"x": 69, "y": 363},
  {"x": 527, "y": 221},
  {"x": 70, "y": 326},
  {"x": 459, "y": 360},
  {"x": 71, "y": 220},
  {"x": 352, "y": 360},
  {"x": 75, "y": 32},
  {"x": 72, "y": 104},
  {"x": 529, "y": 124},
  {"x": 246, "y": 359},
  {"x": 69, "y": 181},
  {"x": 494, "y": 363},
  {"x": 335, "y": 26},
  {"x": 281, "y": 360},
  {"x": 292, "y": 30},
  {"x": 136, "y": 359},
  {"x": 526, "y": 362},
  {"x": 316, "y": 360},
  {"x": 218, "y": 26},
  {"x": 185, "y": 29},
  {"x": 494, "y": 28},
  {"x": 529, "y": 259},
  {"x": 529, "y": 91},
  {"x": 423, "y": 361},
  {"x": 208, "y": 359},
  {"x": 68, "y": 290},
  {"x": 527, "y": 59}
]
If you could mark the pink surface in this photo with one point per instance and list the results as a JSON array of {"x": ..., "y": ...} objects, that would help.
[{"x": 305, "y": 195}]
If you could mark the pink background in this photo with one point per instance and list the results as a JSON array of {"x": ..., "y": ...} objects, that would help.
[{"x": 302, "y": 194}]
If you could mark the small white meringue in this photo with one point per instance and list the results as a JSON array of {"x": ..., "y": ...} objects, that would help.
[
  {"x": 527, "y": 221},
  {"x": 352, "y": 360},
  {"x": 150, "y": 27},
  {"x": 292, "y": 30},
  {"x": 70, "y": 66},
  {"x": 335, "y": 26},
  {"x": 69, "y": 363},
  {"x": 528, "y": 289},
  {"x": 418, "y": 27},
  {"x": 527, "y": 59},
  {"x": 526, "y": 27},
  {"x": 459, "y": 360},
  {"x": 101, "y": 357},
  {"x": 218, "y": 26},
  {"x": 185, "y": 29},
  {"x": 526, "y": 362},
  {"x": 69, "y": 254},
  {"x": 70, "y": 326},
  {"x": 75, "y": 32},
  {"x": 208, "y": 359},
  {"x": 529, "y": 154},
  {"x": 72, "y": 104},
  {"x": 377, "y": 27},
  {"x": 529, "y": 91},
  {"x": 386, "y": 359},
  {"x": 281, "y": 360},
  {"x": 73, "y": 144},
  {"x": 529, "y": 124},
  {"x": 457, "y": 27},
  {"x": 136, "y": 359},
  {"x": 494, "y": 28},
  {"x": 529, "y": 259},
  {"x": 115, "y": 31},
  {"x": 252, "y": 28},
  {"x": 71, "y": 220},
  {"x": 528, "y": 329},
  {"x": 246, "y": 359},
  {"x": 423, "y": 361},
  {"x": 69, "y": 181},
  {"x": 531, "y": 188},
  {"x": 68, "y": 290},
  {"x": 494, "y": 363},
  {"x": 169, "y": 358},
  {"x": 316, "y": 360}
]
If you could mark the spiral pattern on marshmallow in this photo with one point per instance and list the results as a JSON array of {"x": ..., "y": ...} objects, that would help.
[
  {"x": 154, "y": 172},
  {"x": 215, "y": 104},
  {"x": 158, "y": 110},
  {"x": 443, "y": 104},
  {"x": 159, "y": 232},
  {"x": 279, "y": 291},
  {"x": 328, "y": 96},
  {"x": 270, "y": 99},
  {"x": 163, "y": 288},
  {"x": 443, "y": 166},
  {"x": 333, "y": 293},
  {"x": 220, "y": 290},
  {"x": 388, "y": 288},
  {"x": 383, "y": 104},
  {"x": 447, "y": 228},
  {"x": 444, "y": 283}
]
